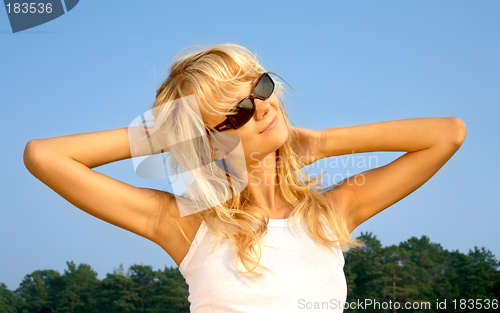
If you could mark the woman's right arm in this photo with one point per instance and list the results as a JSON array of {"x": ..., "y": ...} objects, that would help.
[{"x": 65, "y": 165}]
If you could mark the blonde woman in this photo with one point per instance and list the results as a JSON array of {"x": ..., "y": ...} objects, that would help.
[{"x": 274, "y": 245}]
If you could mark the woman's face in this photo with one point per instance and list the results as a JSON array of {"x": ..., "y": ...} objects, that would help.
[{"x": 258, "y": 141}]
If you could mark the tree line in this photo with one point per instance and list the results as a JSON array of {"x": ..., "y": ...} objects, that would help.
[{"x": 416, "y": 270}]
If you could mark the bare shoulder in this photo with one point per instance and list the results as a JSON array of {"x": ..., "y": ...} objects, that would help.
[{"x": 170, "y": 225}]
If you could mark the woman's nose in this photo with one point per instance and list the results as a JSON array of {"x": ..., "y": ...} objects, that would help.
[{"x": 262, "y": 107}]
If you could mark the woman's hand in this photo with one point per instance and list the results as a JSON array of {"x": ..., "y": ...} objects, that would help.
[{"x": 307, "y": 145}]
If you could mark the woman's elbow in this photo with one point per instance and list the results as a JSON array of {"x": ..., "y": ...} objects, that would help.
[
  {"x": 31, "y": 154},
  {"x": 459, "y": 131}
]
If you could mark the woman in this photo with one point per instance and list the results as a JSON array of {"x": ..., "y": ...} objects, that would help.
[{"x": 246, "y": 252}]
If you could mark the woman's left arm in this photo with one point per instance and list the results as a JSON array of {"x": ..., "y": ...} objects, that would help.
[{"x": 429, "y": 143}]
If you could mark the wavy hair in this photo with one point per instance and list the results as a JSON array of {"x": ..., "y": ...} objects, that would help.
[{"x": 215, "y": 75}]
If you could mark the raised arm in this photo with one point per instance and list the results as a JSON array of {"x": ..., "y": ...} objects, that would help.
[
  {"x": 429, "y": 143},
  {"x": 65, "y": 165}
]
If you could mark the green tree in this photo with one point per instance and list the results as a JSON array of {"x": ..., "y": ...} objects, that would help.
[
  {"x": 8, "y": 302},
  {"x": 143, "y": 280},
  {"x": 429, "y": 263},
  {"x": 38, "y": 290},
  {"x": 121, "y": 271},
  {"x": 362, "y": 267},
  {"x": 404, "y": 280},
  {"x": 80, "y": 290},
  {"x": 170, "y": 293},
  {"x": 116, "y": 294},
  {"x": 476, "y": 274}
]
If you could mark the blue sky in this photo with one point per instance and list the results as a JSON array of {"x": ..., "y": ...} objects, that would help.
[{"x": 352, "y": 62}]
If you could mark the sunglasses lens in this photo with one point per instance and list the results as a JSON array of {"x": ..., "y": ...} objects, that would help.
[
  {"x": 245, "y": 109},
  {"x": 244, "y": 113},
  {"x": 264, "y": 88}
]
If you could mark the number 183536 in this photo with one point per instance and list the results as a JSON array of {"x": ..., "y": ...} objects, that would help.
[
  {"x": 29, "y": 7},
  {"x": 475, "y": 304}
]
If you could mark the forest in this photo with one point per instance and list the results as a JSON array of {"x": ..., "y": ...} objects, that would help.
[{"x": 416, "y": 270}]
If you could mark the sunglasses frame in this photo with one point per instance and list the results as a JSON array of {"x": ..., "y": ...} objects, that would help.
[{"x": 227, "y": 124}]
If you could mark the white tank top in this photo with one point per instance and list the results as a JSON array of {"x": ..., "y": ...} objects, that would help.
[{"x": 307, "y": 276}]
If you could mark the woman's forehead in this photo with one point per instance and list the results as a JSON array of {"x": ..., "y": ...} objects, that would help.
[{"x": 210, "y": 114}]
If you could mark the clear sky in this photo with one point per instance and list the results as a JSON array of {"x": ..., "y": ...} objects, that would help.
[{"x": 352, "y": 62}]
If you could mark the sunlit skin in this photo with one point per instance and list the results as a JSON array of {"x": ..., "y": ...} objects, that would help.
[
  {"x": 259, "y": 148},
  {"x": 65, "y": 165}
]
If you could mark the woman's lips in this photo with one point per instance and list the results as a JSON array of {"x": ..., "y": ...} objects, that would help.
[{"x": 271, "y": 125}]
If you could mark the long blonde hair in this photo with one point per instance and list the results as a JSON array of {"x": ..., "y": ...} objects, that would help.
[{"x": 215, "y": 75}]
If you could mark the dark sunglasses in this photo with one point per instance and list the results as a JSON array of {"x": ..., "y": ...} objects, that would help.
[{"x": 246, "y": 108}]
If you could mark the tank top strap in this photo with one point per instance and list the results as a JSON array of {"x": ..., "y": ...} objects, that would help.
[{"x": 200, "y": 234}]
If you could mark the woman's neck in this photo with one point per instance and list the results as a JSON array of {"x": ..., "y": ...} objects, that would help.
[{"x": 262, "y": 186}]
